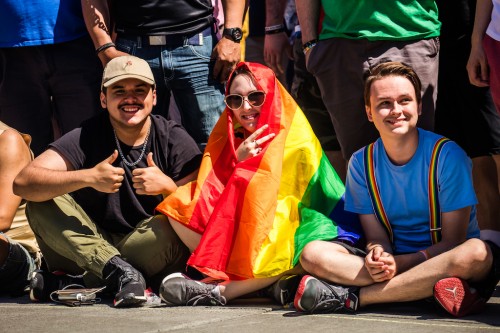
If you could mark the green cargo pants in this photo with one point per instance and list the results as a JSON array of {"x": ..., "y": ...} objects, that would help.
[{"x": 71, "y": 242}]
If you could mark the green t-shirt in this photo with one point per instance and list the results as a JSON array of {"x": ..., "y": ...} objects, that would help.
[{"x": 380, "y": 19}]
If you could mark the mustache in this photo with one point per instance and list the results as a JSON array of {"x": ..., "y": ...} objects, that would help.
[{"x": 140, "y": 105}]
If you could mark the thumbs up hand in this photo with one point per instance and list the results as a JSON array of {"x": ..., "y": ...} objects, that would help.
[
  {"x": 108, "y": 178},
  {"x": 151, "y": 180}
]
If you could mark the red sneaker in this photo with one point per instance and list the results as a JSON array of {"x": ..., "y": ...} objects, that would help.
[{"x": 456, "y": 297}]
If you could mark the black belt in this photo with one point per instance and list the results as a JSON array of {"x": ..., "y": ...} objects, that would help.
[{"x": 156, "y": 40}]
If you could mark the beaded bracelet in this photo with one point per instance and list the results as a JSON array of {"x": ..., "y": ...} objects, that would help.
[
  {"x": 309, "y": 45},
  {"x": 104, "y": 47}
]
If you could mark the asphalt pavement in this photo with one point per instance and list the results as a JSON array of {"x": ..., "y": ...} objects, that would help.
[{"x": 241, "y": 316}]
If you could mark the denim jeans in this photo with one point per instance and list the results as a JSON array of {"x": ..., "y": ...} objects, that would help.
[
  {"x": 17, "y": 269},
  {"x": 185, "y": 70}
]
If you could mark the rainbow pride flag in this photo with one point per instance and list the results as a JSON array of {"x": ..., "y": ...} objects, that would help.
[{"x": 257, "y": 215}]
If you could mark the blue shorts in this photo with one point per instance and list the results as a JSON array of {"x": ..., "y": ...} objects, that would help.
[{"x": 15, "y": 273}]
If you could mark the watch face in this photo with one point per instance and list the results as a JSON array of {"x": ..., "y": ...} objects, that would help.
[
  {"x": 234, "y": 33},
  {"x": 237, "y": 34}
]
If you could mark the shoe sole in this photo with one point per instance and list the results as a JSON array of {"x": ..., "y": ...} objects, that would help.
[
  {"x": 459, "y": 289},
  {"x": 129, "y": 300},
  {"x": 300, "y": 292}
]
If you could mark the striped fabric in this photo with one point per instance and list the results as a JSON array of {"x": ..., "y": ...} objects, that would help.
[{"x": 256, "y": 216}]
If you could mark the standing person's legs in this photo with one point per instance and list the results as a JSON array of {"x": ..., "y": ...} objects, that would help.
[
  {"x": 199, "y": 97},
  {"x": 25, "y": 101},
  {"x": 306, "y": 93},
  {"x": 152, "y": 54},
  {"x": 337, "y": 65},
  {"x": 75, "y": 82},
  {"x": 492, "y": 50},
  {"x": 423, "y": 57},
  {"x": 466, "y": 114}
]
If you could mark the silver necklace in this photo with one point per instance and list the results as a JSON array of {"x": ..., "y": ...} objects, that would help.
[{"x": 142, "y": 152}]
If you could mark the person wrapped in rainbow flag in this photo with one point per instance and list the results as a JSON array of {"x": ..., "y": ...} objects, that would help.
[{"x": 264, "y": 190}]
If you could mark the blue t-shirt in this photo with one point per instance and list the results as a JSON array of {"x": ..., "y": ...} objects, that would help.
[
  {"x": 40, "y": 22},
  {"x": 404, "y": 193}
]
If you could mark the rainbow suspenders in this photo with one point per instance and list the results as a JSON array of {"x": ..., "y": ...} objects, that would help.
[{"x": 434, "y": 209}]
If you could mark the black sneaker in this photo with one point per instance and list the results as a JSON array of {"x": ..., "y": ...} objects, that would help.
[
  {"x": 127, "y": 282},
  {"x": 283, "y": 291},
  {"x": 178, "y": 289},
  {"x": 43, "y": 283},
  {"x": 316, "y": 296}
]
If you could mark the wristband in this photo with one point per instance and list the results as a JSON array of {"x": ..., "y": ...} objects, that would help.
[
  {"x": 309, "y": 45},
  {"x": 426, "y": 254},
  {"x": 277, "y": 31},
  {"x": 275, "y": 27},
  {"x": 104, "y": 47}
]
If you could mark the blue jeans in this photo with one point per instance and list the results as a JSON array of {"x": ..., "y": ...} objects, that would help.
[
  {"x": 17, "y": 270},
  {"x": 182, "y": 66}
]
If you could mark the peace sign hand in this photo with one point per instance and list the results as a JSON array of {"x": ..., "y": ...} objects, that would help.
[{"x": 252, "y": 146}]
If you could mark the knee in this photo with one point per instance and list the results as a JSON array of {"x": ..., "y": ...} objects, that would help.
[
  {"x": 309, "y": 257},
  {"x": 166, "y": 236},
  {"x": 474, "y": 256}
]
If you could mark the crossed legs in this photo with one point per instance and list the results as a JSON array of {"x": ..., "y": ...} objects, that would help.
[{"x": 469, "y": 261}]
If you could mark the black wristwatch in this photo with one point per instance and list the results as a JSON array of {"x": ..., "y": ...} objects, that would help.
[{"x": 234, "y": 33}]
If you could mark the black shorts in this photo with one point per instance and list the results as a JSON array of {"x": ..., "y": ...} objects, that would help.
[
  {"x": 352, "y": 249},
  {"x": 486, "y": 287}
]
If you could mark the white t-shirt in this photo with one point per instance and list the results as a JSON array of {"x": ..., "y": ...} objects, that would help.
[{"x": 494, "y": 28}]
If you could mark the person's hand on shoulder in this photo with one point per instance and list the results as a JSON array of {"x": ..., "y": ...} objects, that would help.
[{"x": 108, "y": 178}]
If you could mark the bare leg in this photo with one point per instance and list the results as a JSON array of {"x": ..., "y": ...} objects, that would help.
[
  {"x": 234, "y": 289},
  {"x": 332, "y": 262},
  {"x": 190, "y": 238},
  {"x": 471, "y": 260}
]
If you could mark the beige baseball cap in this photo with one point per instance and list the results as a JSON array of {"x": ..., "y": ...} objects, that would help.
[{"x": 126, "y": 67}]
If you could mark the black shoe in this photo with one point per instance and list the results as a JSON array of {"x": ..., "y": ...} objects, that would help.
[
  {"x": 316, "y": 296},
  {"x": 283, "y": 291},
  {"x": 178, "y": 289},
  {"x": 43, "y": 283},
  {"x": 127, "y": 282}
]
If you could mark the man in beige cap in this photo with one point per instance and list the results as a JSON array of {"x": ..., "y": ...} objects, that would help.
[{"x": 93, "y": 192}]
